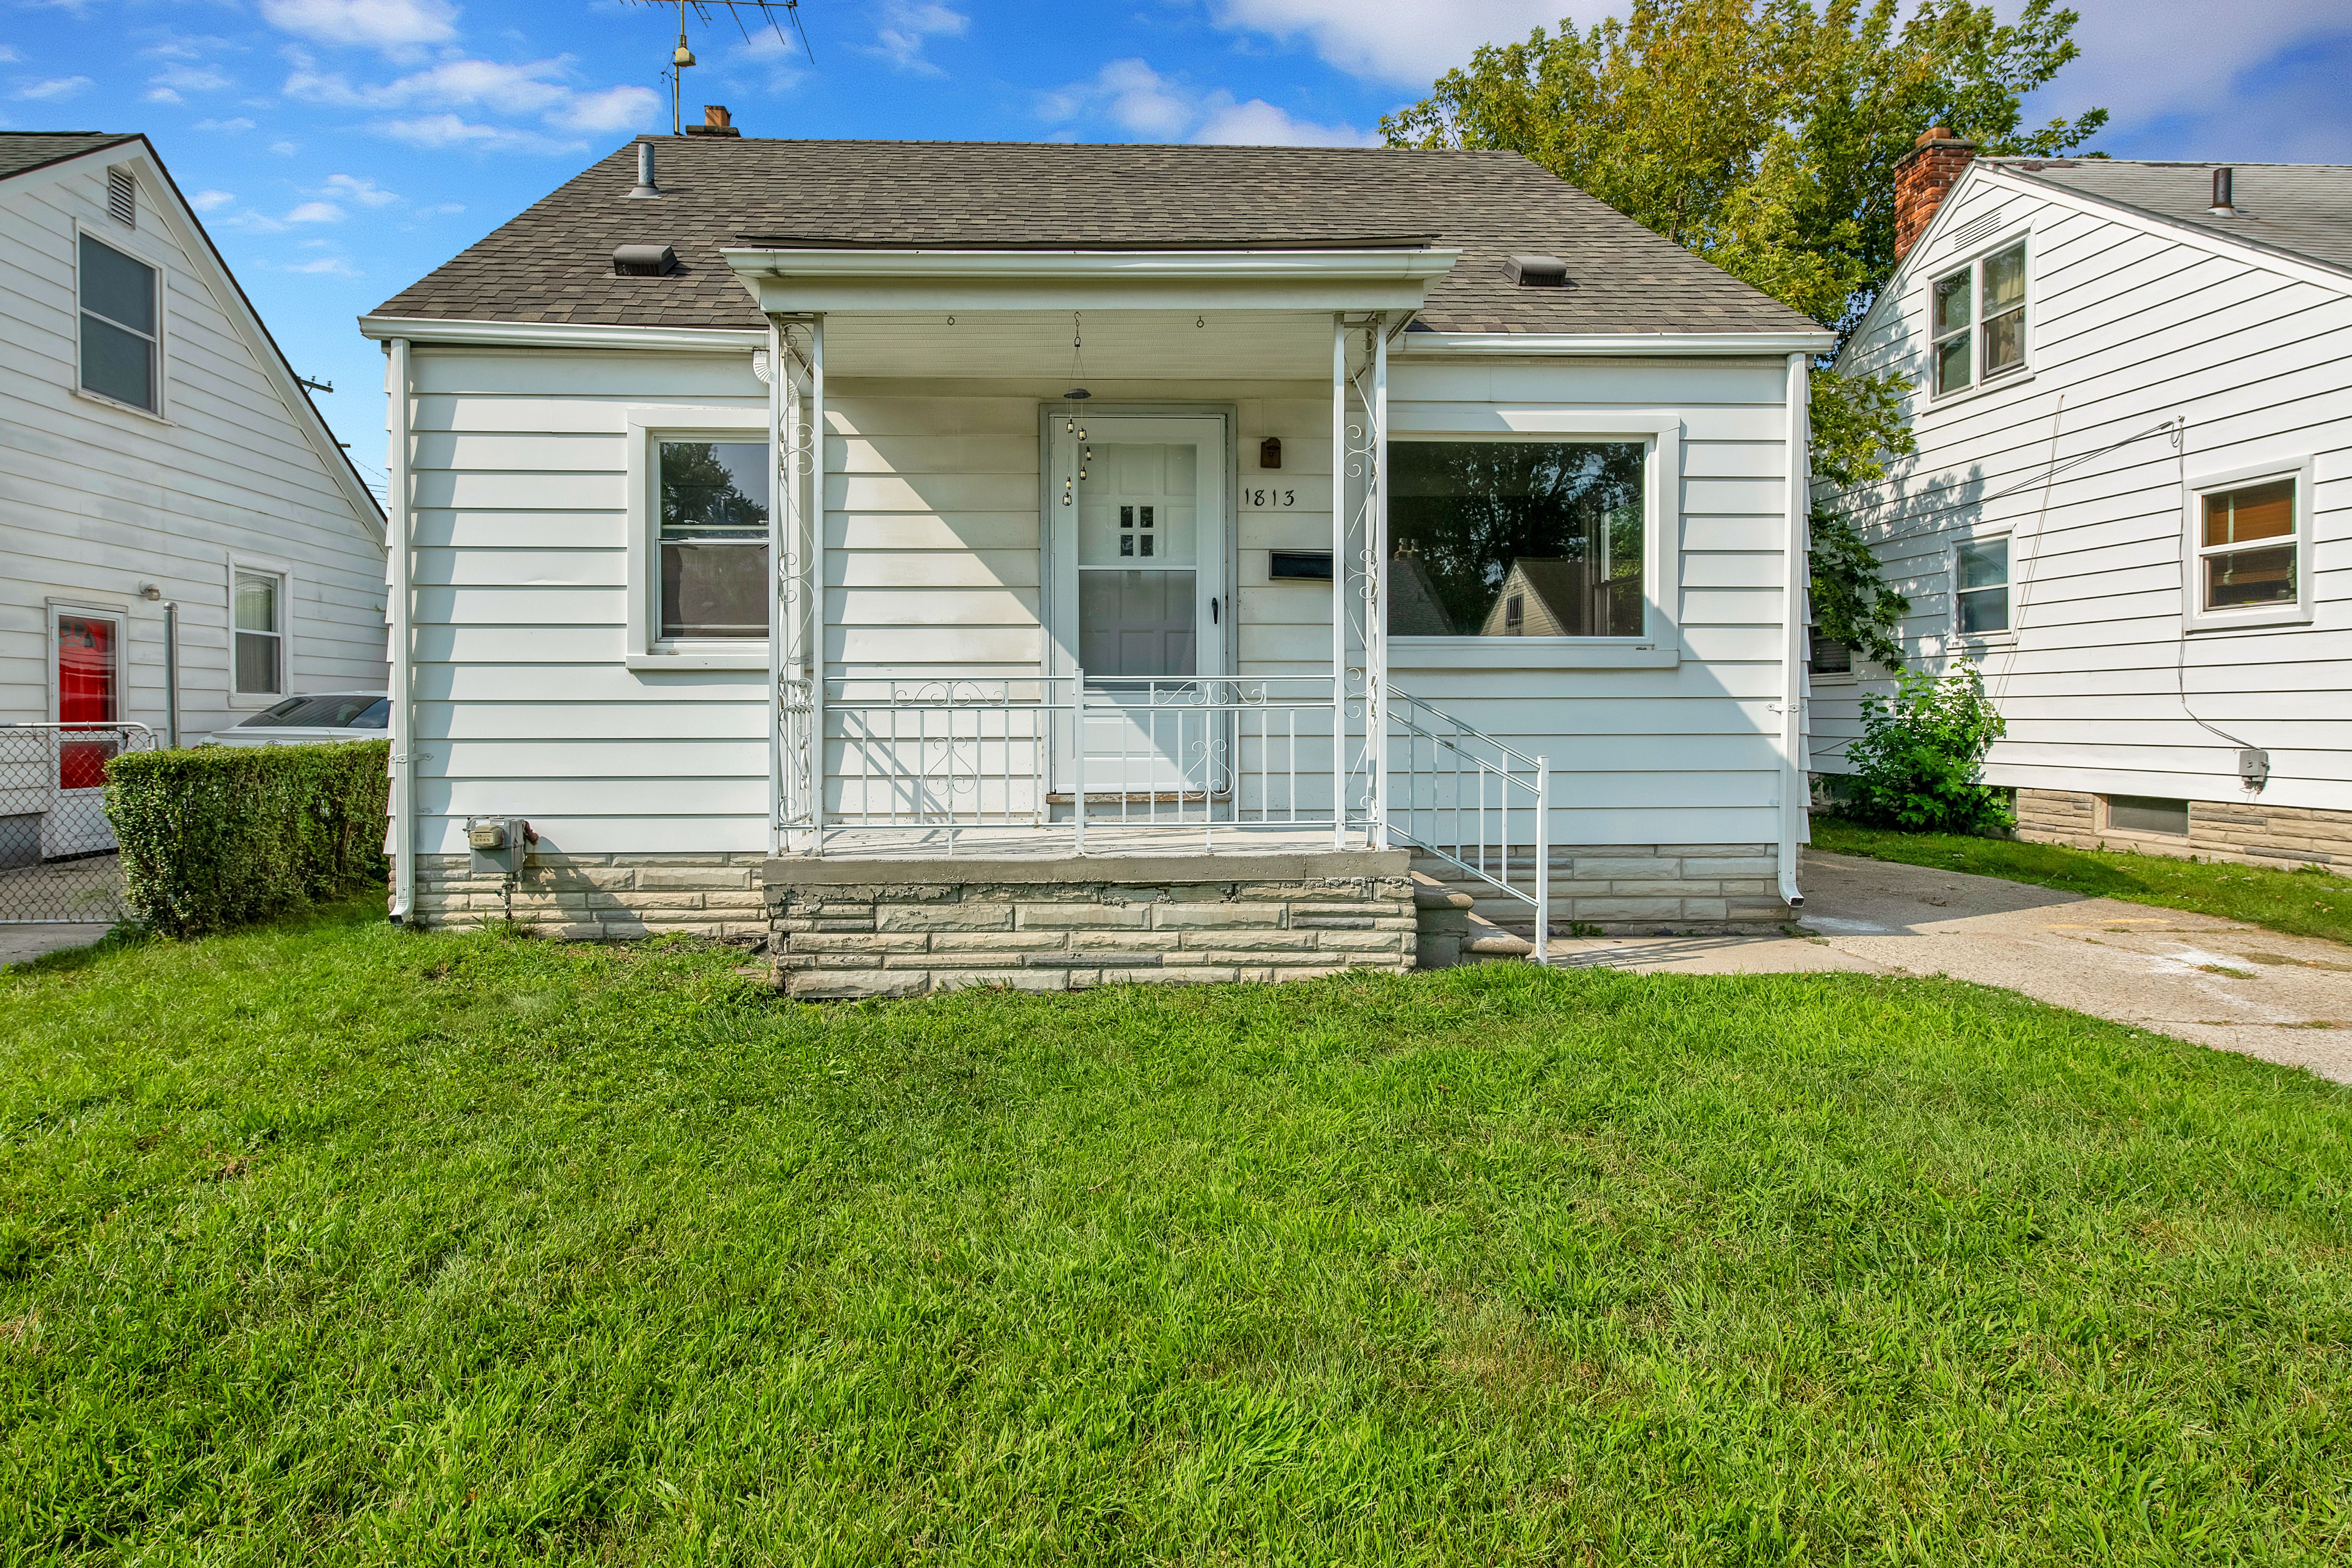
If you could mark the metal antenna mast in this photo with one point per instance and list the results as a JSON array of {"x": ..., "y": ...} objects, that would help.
[{"x": 772, "y": 14}]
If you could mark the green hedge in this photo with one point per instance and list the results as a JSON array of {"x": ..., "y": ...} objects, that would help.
[{"x": 222, "y": 834}]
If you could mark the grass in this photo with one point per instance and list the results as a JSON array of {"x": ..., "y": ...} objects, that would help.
[
  {"x": 330, "y": 1244},
  {"x": 2304, "y": 903}
]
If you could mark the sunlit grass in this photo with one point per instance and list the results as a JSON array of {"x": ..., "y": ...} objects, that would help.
[{"x": 326, "y": 1243}]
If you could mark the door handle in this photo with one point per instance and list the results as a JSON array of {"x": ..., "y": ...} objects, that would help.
[{"x": 1213, "y": 609}]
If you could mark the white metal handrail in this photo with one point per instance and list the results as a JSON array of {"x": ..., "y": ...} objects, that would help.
[
  {"x": 947, "y": 755},
  {"x": 1460, "y": 795}
]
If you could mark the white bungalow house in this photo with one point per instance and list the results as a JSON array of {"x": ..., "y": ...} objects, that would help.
[
  {"x": 1046, "y": 466},
  {"x": 181, "y": 542},
  {"x": 2132, "y": 496}
]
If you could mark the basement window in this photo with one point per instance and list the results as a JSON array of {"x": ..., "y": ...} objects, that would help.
[{"x": 2148, "y": 814}]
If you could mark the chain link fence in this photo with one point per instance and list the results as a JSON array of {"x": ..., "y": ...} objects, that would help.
[{"x": 57, "y": 859}]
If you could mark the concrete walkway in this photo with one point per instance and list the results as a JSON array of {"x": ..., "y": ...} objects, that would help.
[
  {"x": 19, "y": 943},
  {"x": 2236, "y": 987}
]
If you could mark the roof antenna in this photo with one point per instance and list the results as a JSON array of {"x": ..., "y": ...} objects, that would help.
[{"x": 682, "y": 57}]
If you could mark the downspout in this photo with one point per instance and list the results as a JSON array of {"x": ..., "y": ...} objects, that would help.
[
  {"x": 1795, "y": 787},
  {"x": 172, "y": 673},
  {"x": 403, "y": 759}
]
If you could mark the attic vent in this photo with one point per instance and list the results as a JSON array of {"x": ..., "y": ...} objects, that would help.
[
  {"x": 122, "y": 196},
  {"x": 643, "y": 260},
  {"x": 1537, "y": 271},
  {"x": 1974, "y": 229}
]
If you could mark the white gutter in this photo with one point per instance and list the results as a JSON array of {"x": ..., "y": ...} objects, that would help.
[
  {"x": 565, "y": 335},
  {"x": 403, "y": 757},
  {"x": 1795, "y": 782},
  {"x": 1384, "y": 265},
  {"x": 1608, "y": 344}
]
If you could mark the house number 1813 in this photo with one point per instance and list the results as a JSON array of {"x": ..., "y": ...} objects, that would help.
[{"x": 1268, "y": 498}]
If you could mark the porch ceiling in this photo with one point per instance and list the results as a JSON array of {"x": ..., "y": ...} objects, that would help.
[{"x": 1120, "y": 345}]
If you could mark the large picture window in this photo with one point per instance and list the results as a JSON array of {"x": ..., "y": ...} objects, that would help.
[
  {"x": 121, "y": 329},
  {"x": 1517, "y": 538},
  {"x": 713, "y": 539}
]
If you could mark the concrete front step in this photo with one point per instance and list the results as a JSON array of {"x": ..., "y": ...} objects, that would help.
[{"x": 1702, "y": 889}]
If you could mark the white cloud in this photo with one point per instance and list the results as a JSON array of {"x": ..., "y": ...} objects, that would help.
[
  {"x": 909, "y": 25},
  {"x": 1258, "y": 123},
  {"x": 360, "y": 192},
  {"x": 230, "y": 126},
  {"x": 393, "y": 26},
  {"x": 315, "y": 211},
  {"x": 614, "y": 108},
  {"x": 1408, "y": 44},
  {"x": 211, "y": 201},
  {"x": 1142, "y": 102},
  {"x": 52, "y": 90},
  {"x": 190, "y": 79},
  {"x": 8, "y": 56},
  {"x": 333, "y": 266},
  {"x": 452, "y": 84},
  {"x": 2133, "y": 63},
  {"x": 161, "y": 95},
  {"x": 283, "y": 149},
  {"x": 442, "y": 131}
]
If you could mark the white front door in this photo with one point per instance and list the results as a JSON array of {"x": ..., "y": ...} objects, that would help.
[{"x": 1142, "y": 604}]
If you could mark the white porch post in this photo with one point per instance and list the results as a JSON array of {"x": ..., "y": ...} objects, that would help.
[
  {"x": 784, "y": 518},
  {"x": 1338, "y": 581},
  {"x": 816, "y": 584},
  {"x": 1376, "y": 585}
]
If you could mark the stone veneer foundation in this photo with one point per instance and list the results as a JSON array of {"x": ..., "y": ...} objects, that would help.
[
  {"x": 901, "y": 928},
  {"x": 600, "y": 898},
  {"x": 2244, "y": 831},
  {"x": 1637, "y": 889}
]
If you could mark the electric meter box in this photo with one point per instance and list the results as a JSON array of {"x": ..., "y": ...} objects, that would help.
[{"x": 501, "y": 845}]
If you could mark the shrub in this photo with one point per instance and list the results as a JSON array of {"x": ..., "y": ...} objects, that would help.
[
  {"x": 222, "y": 834},
  {"x": 1920, "y": 762}
]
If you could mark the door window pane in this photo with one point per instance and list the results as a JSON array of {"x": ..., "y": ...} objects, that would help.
[
  {"x": 1557, "y": 526},
  {"x": 714, "y": 539},
  {"x": 89, "y": 692},
  {"x": 1138, "y": 625},
  {"x": 260, "y": 632}
]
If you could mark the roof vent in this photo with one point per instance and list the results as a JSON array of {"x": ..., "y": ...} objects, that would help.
[
  {"x": 646, "y": 189},
  {"x": 122, "y": 196},
  {"x": 716, "y": 122},
  {"x": 1537, "y": 271},
  {"x": 643, "y": 260},
  {"x": 2221, "y": 195}
]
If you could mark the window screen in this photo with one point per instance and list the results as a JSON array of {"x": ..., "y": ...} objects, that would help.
[
  {"x": 714, "y": 539},
  {"x": 121, "y": 334},
  {"x": 2148, "y": 814},
  {"x": 1515, "y": 539}
]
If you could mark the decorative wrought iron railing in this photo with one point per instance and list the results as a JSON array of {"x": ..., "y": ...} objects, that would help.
[{"x": 1473, "y": 801}]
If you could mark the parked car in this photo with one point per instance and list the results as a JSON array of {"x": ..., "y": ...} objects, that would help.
[{"x": 308, "y": 721}]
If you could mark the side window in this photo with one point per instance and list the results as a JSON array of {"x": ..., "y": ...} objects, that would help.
[
  {"x": 1828, "y": 656},
  {"x": 122, "y": 326},
  {"x": 1977, "y": 322},
  {"x": 2246, "y": 546},
  {"x": 1981, "y": 587},
  {"x": 713, "y": 539},
  {"x": 259, "y": 615}
]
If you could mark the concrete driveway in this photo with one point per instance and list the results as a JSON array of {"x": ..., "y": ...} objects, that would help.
[{"x": 2237, "y": 987}]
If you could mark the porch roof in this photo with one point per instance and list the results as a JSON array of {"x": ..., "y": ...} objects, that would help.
[{"x": 553, "y": 264}]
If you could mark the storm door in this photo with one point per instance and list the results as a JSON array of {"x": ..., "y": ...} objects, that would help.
[
  {"x": 86, "y": 647},
  {"x": 1143, "y": 603}
]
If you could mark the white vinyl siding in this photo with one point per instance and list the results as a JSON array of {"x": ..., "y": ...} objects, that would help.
[
  {"x": 932, "y": 567},
  {"x": 2133, "y": 324},
  {"x": 97, "y": 501}
]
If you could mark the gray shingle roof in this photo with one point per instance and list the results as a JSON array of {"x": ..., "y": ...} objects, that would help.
[
  {"x": 554, "y": 262},
  {"x": 24, "y": 150},
  {"x": 2303, "y": 209}
]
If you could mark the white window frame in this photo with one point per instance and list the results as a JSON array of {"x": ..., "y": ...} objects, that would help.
[
  {"x": 1661, "y": 432},
  {"x": 263, "y": 566},
  {"x": 647, "y": 649},
  {"x": 1952, "y": 588},
  {"x": 1973, "y": 265},
  {"x": 130, "y": 243},
  {"x": 2192, "y": 550}
]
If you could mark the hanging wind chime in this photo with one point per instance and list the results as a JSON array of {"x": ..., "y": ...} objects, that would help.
[{"x": 1077, "y": 394}]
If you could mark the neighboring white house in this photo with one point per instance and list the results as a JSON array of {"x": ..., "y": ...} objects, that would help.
[
  {"x": 996, "y": 600},
  {"x": 2132, "y": 499},
  {"x": 169, "y": 498}
]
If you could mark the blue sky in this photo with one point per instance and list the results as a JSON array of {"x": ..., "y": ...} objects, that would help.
[{"x": 339, "y": 149}]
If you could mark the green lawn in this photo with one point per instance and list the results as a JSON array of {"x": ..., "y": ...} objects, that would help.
[
  {"x": 2306, "y": 903},
  {"x": 328, "y": 1243}
]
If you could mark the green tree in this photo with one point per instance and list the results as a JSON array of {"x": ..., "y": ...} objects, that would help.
[{"x": 1763, "y": 134}]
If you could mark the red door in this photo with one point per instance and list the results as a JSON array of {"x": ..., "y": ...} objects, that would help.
[{"x": 89, "y": 692}]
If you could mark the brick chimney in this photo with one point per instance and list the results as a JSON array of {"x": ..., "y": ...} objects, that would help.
[
  {"x": 1922, "y": 177},
  {"x": 716, "y": 122}
]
